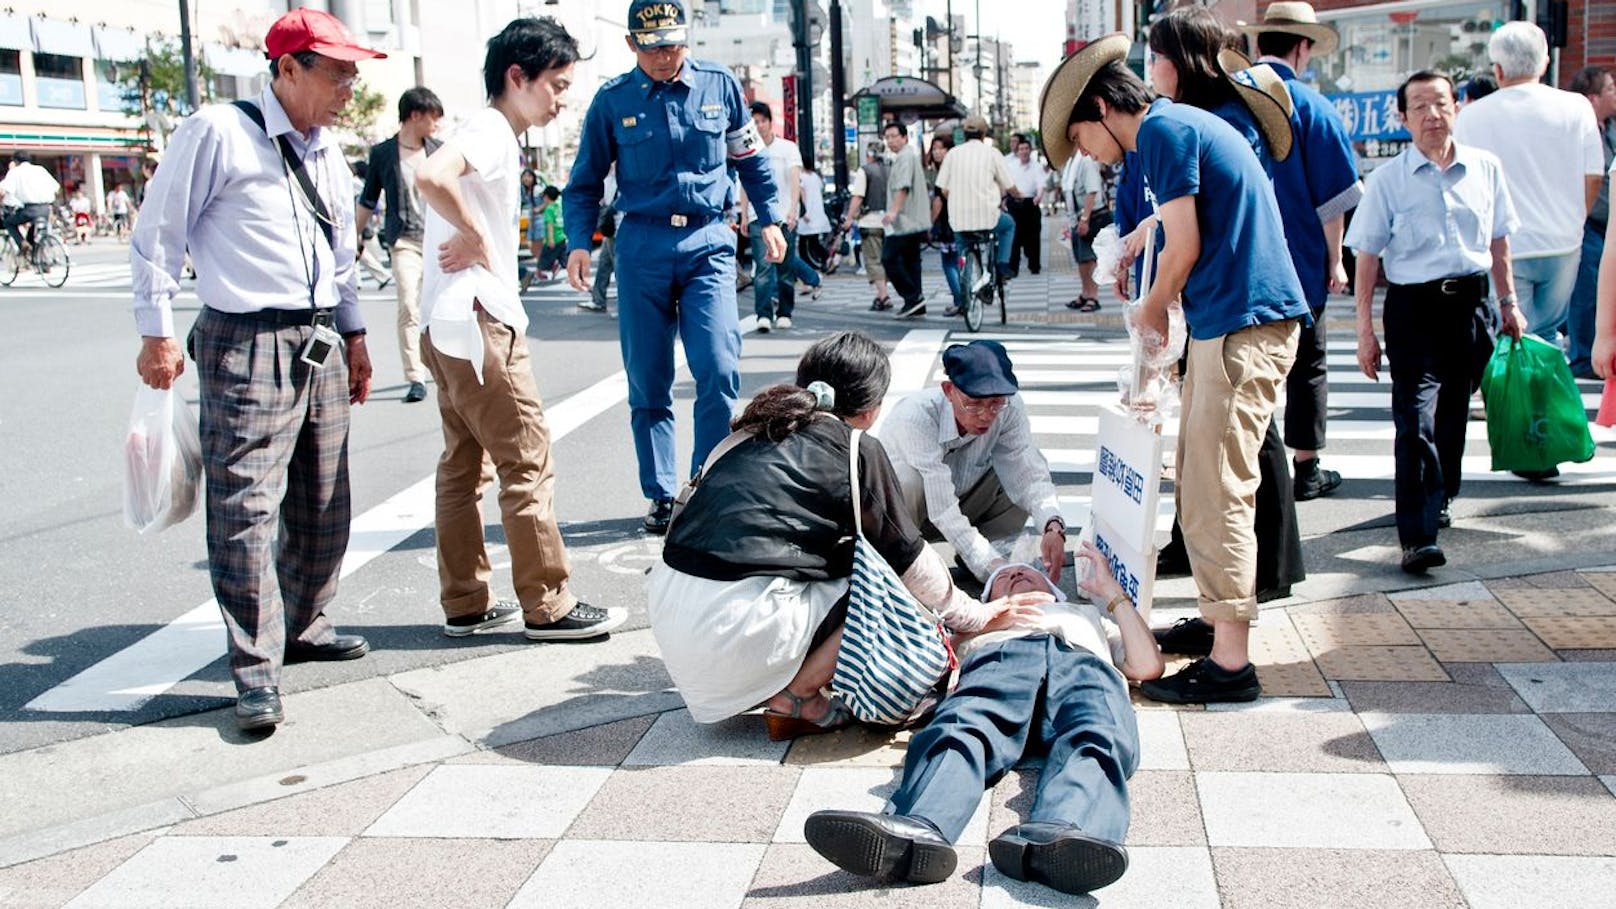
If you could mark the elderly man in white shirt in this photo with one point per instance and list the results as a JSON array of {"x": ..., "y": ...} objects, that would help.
[
  {"x": 1548, "y": 142},
  {"x": 1030, "y": 176},
  {"x": 28, "y": 190},
  {"x": 967, "y": 465}
]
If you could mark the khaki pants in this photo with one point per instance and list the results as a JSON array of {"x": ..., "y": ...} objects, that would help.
[
  {"x": 500, "y": 420},
  {"x": 407, "y": 279},
  {"x": 871, "y": 241},
  {"x": 1230, "y": 392},
  {"x": 986, "y": 505}
]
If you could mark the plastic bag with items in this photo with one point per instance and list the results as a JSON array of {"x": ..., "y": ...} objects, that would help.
[{"x": 162, "y": 461}]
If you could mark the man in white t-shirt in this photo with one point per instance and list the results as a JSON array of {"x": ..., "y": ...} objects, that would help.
[
  {"x": 475, "y": 346},
  {"x": 774, "y": 294},
  {"x": 32, "y": 189},
  {"x": 1054, "y": 682},
  {"x": 1548, "y": 142},
  {"x": 1030, "y": 176}
]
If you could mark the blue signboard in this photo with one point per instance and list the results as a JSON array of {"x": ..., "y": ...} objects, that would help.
[{"x": 1370, "y": 115}]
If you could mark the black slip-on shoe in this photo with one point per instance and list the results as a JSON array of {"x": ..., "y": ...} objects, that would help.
[
  {"x": 584, "y": 621},
  {"x": 913, "y": 309},
  {"x": 887, "y": 847},
  {"x": 1060, "y": 856},
  {"x": 416, "y": 394},
  {"x": 1192, "y": 636},
  {"x": 498, "y": 615},
  {"x": 1172, "y": 562},
  {"x": 340, "y": 647},
  {"x": 657, "y": 519},
  {"x": 1420, "y": 559},
  {"x": 258, "y": 708},
  {"x": 1205, "y": 682}
]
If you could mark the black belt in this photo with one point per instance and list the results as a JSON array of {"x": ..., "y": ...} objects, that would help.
[
  {"x": 1467, "y": 286},
  {"x": 670, "y": 220},
  {"x": 283, "y": 316}
]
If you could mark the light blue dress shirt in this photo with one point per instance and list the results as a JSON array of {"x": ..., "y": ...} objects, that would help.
[
  {"x": 223, "y": 192},
  {"x": 1426, "y": 222}
]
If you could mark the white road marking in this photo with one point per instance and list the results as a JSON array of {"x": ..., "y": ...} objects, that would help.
[{"x": 147, "y": 668}]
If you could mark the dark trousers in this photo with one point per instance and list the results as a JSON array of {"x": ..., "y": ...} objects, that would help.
[
  {"x": 1307, "y": 389},
  {"x": 1437, "y": 345},
  {"x": 27, "y": 214},
  {"x": 900, "y": 256},
  {"x": 1279, "y": 535},
  {"x": 275, "y": 453},
  {"x": 1029, "y": 235},
  {"x": 1027, "y": 691}
]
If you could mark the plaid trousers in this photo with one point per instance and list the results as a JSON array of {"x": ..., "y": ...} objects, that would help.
[{"x": 275, "y": 451}]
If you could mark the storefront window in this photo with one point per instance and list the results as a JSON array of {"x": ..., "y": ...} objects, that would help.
[
  {"x": 111, "y": 83},
  {"x": 11, "y": 78},
  {"x": 60, "y": 81}
]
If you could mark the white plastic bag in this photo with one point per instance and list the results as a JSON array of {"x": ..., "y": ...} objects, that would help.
[{"x": 162, "y": 461}]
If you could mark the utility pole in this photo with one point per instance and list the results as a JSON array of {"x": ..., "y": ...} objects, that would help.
[
  {"x": 838, "y": 95},
  {"x": 805, "y": 80},
  {"x": 977, "y": 69},
  {"x": 192, "y": 96},
  {"x": 948, "y": 35}
]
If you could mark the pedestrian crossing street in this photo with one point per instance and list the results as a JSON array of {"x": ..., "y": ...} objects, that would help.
[{"x": 1067, "y": 378}]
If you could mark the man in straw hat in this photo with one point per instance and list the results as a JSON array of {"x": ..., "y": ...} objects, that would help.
[
  {"x": 1243, "y": 304},
  {"x": 1323, "y": 180},
  {"x": 248, "y": 190}
]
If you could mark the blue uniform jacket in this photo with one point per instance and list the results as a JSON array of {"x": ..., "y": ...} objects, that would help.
[{"x": 674, "y": 144}]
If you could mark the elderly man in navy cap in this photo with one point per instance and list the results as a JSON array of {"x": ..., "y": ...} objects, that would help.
[{"x": 967, "y": 463}]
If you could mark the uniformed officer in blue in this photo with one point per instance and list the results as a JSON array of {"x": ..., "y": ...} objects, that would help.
[{"x": 674, "y": 126}]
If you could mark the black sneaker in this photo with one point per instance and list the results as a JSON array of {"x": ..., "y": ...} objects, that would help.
[
  {"x": 913, "y": 309},
  {"x": 499, "y": 614},
  {"x": 584, "y": 621},
  {"x": 656, "y": 521},
  {"x": 1192, "y": 636},
  {"x": 416, "y": 393},
  {"x": 1313, "y": 481},
  {"x": 1420, "y": 559},
  {"x": 1172, "y": 562},
  {"x": 1205, "y": 682}
]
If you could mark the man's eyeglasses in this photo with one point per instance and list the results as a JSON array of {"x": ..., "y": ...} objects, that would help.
[
  {"x": 340, "y": 80},
  {"x": 982, "y": 405}
]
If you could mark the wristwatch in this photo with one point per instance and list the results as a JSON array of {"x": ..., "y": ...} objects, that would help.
[{"x": 1507, "y": 300}]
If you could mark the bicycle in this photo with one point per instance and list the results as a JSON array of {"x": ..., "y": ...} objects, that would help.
[
  {"x": 48, "y": 257},
  {"x": 977, "y": 279}
]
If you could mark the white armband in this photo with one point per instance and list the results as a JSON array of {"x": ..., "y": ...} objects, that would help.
[{"x": 744, "y": 142}]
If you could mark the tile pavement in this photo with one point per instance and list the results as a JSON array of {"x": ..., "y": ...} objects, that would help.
[{"x": 1395, "y": 765}]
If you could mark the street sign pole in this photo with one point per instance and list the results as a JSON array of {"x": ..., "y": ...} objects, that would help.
[{"x": 838, "y": 94}]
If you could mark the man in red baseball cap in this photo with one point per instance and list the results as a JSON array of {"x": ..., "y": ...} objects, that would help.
[{"x": 259, "y": 193}]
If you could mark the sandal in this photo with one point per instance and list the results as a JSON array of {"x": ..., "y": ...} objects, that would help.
[
  {"x": 1084, "y": 304},
  {"x": 783, "y": 727}
]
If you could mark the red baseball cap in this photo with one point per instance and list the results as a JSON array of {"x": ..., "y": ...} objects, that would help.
[{"x": 307, "y": 29}]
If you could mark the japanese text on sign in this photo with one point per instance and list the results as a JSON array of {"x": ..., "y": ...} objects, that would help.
[
  {"x": 1127, "y": 579},
  {"x": 1370, "y": 115},
  {"x": 1118, "y": 471}
]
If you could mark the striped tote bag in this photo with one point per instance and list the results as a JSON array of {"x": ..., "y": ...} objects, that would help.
[{"x": 894, "y": 654}]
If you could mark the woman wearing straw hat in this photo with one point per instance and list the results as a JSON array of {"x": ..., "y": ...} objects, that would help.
[{"x": 1242, "y": 302}]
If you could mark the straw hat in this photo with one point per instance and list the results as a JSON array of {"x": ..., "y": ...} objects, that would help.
[
  {"x": 1296, "y": 19},
  {"x": 1066, "y": 85},
  {"x": 1264, "y": 94}
]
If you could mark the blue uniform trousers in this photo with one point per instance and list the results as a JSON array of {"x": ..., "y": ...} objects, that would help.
[
  {"x": 1028, "y": 690},
  {"x": 676, "y": 279}
]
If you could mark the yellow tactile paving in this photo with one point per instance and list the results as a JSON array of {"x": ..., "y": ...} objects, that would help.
[
  {"x": 853, "y": 747},
  {"x": 1575, "y": 632},
  {"x": 1283, "y": 664},
  {"x": 1491, "y": 645},
  {"x": 1603, "y": 581},
  {"x": 1583, "y": 601},
  {"x": 1292, "y": 680},
  {"x": 1457, "y": 614},
  {"x": 1381, "y": 664},
  {"x": 1323, "y": 633}
]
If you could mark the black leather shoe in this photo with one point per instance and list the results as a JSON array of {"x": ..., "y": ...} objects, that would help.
[
  {"x": 661, "y": 513},
  {"x": 416, "y": 393},
  {"x": 1313, "y": 481},
  {"x": 259, "y": 708},
  {"x": 887, "y": 847},
  {"x": 1172, "y": 562},
  {"x": 1420, "y": 559},
  {"x": 1444, "y": 518},
  {"x": 1059, "y": 856},
  {"x": 1537, "y": 476},
  {"x": 340, "y": 647}
]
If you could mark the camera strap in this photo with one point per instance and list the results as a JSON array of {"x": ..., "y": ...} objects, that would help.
[{"x": 294, "y": 166}]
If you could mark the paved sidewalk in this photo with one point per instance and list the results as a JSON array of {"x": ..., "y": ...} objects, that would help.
[{"x": 1444, "y": 746}]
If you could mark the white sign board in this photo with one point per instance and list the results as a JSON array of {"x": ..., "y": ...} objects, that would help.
[
  {"x": 1135, "y": 569},
  {"x": 1127, "y": 478}
]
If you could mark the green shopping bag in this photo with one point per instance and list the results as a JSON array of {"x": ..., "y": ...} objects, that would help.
[{"x": 1535, "y": 417}]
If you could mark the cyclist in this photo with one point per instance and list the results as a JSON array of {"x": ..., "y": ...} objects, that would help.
[
  {"x": 974, "y": 180},
  {"x": 33, "y": 189}
]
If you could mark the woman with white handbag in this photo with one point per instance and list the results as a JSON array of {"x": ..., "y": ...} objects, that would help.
[{"x": 751, "y": 599}]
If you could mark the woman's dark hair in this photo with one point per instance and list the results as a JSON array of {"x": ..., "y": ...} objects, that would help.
[
  {"x": 851, "y": 363},
  {"x": 946, "y": 140},
  {"x": 535, "y": 45},
  {"x": 1191, "y": 37},
  {"x": 530, "y": 172},
  {"x": 1116, "y": 85},
  {"x": 419, "y": 100}
]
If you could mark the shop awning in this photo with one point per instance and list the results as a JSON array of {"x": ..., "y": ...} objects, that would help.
[
  {"x": 14, "y": 32},
  {"x": 92, "y": 139},
  {"x": 909, "y": 99},
  {"x": 235, "y": 61},
  {"x": 118, "y": 44},
  {"x": 57, "y": 36}
]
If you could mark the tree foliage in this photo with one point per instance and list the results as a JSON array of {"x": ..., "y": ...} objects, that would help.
[
  {"x": 359, "y": 117},
  {"x": 157, "y": 83}
]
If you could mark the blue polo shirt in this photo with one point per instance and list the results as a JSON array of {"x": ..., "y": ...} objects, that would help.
[{"x": 1243, "y": 276}]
